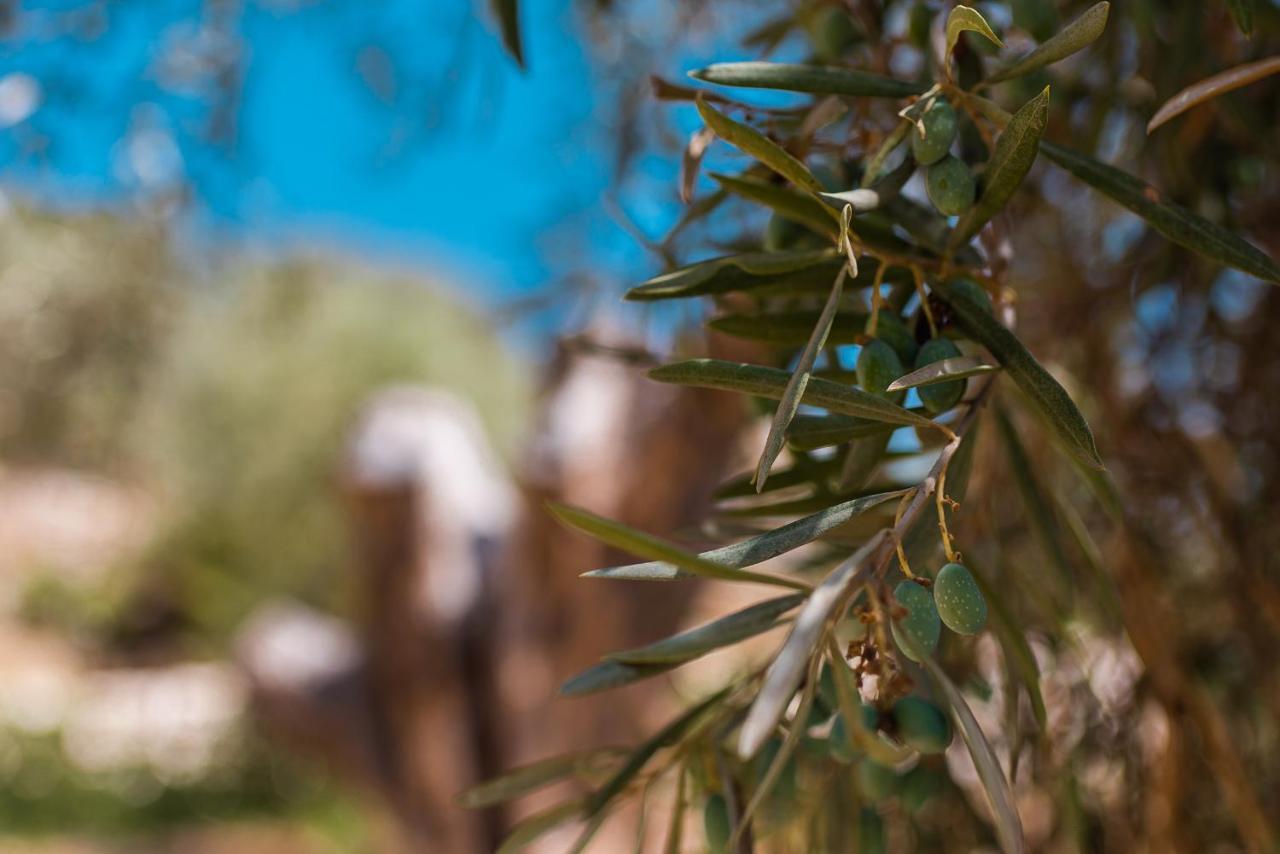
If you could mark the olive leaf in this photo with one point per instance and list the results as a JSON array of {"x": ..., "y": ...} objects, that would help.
[
  {"x": 799, "y": 381},
  {"x": 771, "y": 383},
  {"x": 690, "y": 644},
  {"x": 787, "y": 668},
  {"x": 528, "y": 778},
  {"x": 1072, "y": 38},
  {"x": 994, "y": 783},
  {"x": 789, "y": 328},
  {"x": 538, "y": 824},
  {"x": 761, "y": 547},
  {"x": 675, "y": 829},
  {"x": 1034, "y": 498},
  {"x": 1021, "y": 659},
  {"x": 640, "y": 757},
  {"x": 1177, "y": 224},
  {"x": 1242, "y": 13},
  {"x": 802, "y": 269},
  {"x": 508, "y": 14},
  {"x": 942, "y": 371},
  {"x": 1212, "y": 87},
  {"x": 815, "y": 79},
  {"x": 786, "y": 202},
  {"x": 629, "y": 540},
  {"x": 809, "y": 432},
  {"x": 751, "y": 142},
  {"x": 1046, "y": 395},
  {"x": 963, "y": 18},
  {"x": 1014, "y": 154}
]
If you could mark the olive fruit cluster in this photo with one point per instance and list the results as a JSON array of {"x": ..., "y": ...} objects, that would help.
[
  {"x": 947, "y": 178},
  {"x": 955, "y": 601},
  {"x": 883, "y": 358}
]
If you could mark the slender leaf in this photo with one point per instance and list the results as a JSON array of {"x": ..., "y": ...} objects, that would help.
[
  {"x": 942, "y": 371},
  {"x": 816, "y": 79},
  {"x": 762, "y": 547},
  {"x": 1021, "y": 659},
  {"x": 964, "y": 18},
  {"x": 807, "y": 269},
  {"x": 805, "y": 472},
  {"x": 620, "y": 536},
  {"x": 635, "y": 763},
  {"x": 1242, "y": 13},
  {"x": 809, "y": 432},
  {"x": 675, "y": 830},
  {"x": 529, "y": 778},
  {"x": 608, "y": 675},
  {"x": 1212, "y": 87},
  {"x": 725, "y": 631},
  {"x": 755, "y": 144},
  {"x": 1014, "y": 154},
  {"x": 789, "y": 328},
  {"x": 1034, "y": 498},
  {"x": 1177, "y": 224},
  {"x": 790, "y": 204},
  {"x": 771, "y": 382},
  {"x": 538, "y": 824},
  {"x": 994, "y": 783},
  {"x": 1074, "y": 37},
  {"x": 799, "y": 381},
  {"x": 1049, "y": 399},
  {"x": 787, "y": 669},
  {"x": 508, "y": 15}
]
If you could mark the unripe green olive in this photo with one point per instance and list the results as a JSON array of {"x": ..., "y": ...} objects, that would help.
[
  {"x": 939, "y": 397},
  {"x": 893, "y": 331},
  {"x": 974, "y": 291},
  {"x": 875, "y": 781},
  {"x": 950, "y": 186},
  {"x": 785, "y": 787},
  {"x": 833, "y": 32},
  {"x": 960, "y": 602},
  {"x": 922, "y": 726},
  {"x": 940, "y": 128},
  {"x": 842, "y": 746},
  {"x": 715, "y": 821},
  {"x": 921, "y": 626},
  {"x": 877, "y": 366},
  {"x": 919, "y": 786}
]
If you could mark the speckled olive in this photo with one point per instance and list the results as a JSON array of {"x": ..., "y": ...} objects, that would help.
[
  {"x": 921, "y": 627},
  {"x": 950, "y": 186},
  {"x": 939, "y": 397},
  {"x": 959, "y": 601},
  {"x": 939, "y": 124},
  {"x": 922, "y": 726}
]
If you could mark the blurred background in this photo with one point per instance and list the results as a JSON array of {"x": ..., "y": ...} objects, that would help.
[{"x": 306, "y": 307}]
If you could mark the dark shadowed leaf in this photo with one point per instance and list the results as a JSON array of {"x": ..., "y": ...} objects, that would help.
[
  {"x": 771, "y": 382},
  {"x": 807, "y": 270},
  {"x": 1022, "y": 660},
  {"x": 629, "y": 540},
  {"x": 760, "y": 548},
  {"x": 725, "y": 631},
  {"x": 610, "y": 674},
  {"x": 963, "y": 18},
  {"x": 1242, "y": 13},
  {"x": 1008, "y": 824},
  {"x": 816, "y": 79},
  {"x": 1212, "y": 87},
  {"x": 508, "y": 15},
  {"x": 788, "y": 203},
  {"x": 1014, "y": 154},
  {"x": 1049, "y": 399},
  {"x": 799, "y": 381},
  {"x": 528, "y": 778},
  {"x": 943, "y": 371},
  {"x": 750, "y": 141},
  {"x": 809, "y": 432},
  {"x": 1177, "y": 224},
  {"x": 1035, "y": 500},
  {"x": 1074, "y": 37},
  {"x": 790, "y": 328}
]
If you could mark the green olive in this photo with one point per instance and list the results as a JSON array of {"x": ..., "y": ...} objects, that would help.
[
  {"x": 921, "y": 627},
  {"x": 950, "y": 186},
  {"x": 939, "y": 397},
  {"x": 939, "y": 123},
  {"x": 960, "y": 602},
  {"x": 919, "y": 786},
  {"x": 974, "y": 291},
  {"x": 877, "y": 366},
  {"x": 715, "y": 821},
  {"x": 842, "y": 746},
  {"x": 893, "y": 331},
  {"x": 922, "y": 726}
]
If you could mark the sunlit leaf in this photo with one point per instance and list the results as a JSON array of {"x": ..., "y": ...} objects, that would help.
[
  {"x": 942, "y": 371},
  {"x": 994, "y": 783},
  {"x": 789, "y": 328},
  {"x": 727, "y": 630},
  {"x": 805, "y": 269},
  {"x": 528, "y": 778},
  {"x": 1177, "y": 224},
  {"x": 1014, "y": 154},
  {"x": 795, "y": 206},
  {"x": 538, "y": 824},
  {"x": 1049, "y": 399},
  {"x": 787, "y": 668},
  {"x": 796, "y": 385},
  {"x": 508, "y": 14},
  {"x": 815, "y": 79},
  {"x": 963, "y": 18},
  {"x": 629, "y": 540},
  {"x": 1212, "y": 87},
  {"x": 770, "y": 383},
  {"x": 761, "y": 547},
  {"x": 1074, "y": 37},
  {"x": 750, "y": 141}
]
